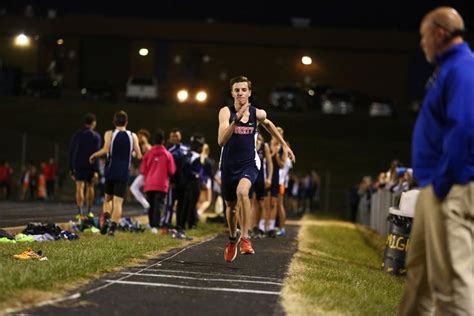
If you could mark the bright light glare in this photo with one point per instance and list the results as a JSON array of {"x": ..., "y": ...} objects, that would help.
[
  {"x": 60, "y": 41},
  {"x": 306, "y": 60},
  {"x": 182, "y": 95},
  {"x": 22, "y": 40},
  {"x": 311, "y": 92},
  {"x": 201, "y": 96},
  {"x": 143, "y": 51}
]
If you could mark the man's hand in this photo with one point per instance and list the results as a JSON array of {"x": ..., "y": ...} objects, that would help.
[
  {"x": 242, "y": 111},
  {"x": 268, "y": 183},
  {"x": 72, "y": 175},
  {"x": 291, "y": 155},
  {"x": 95, "y": 178},
  {"x": 91, "y": 159}
]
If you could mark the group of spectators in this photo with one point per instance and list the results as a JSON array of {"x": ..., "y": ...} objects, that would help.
[
  {"x": 396, "y": 179},
  {"x": 36, "y": 182}
]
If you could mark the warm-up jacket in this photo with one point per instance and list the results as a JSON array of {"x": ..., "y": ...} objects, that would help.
[
  {"x": 443, "y": 138},
  {"x": 157, "y": 167}
]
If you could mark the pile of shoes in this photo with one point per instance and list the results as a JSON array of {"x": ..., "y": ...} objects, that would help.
[
  {"x": 126, "y": 224},
  {"x": 64, "y": 234}
]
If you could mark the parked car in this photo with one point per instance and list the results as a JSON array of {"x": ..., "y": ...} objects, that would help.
[
  {"x": 337, "y": 102},
  {"x": 290, "y": 98},
  {"x": 42, "y": 87},
  {"x": 99, "y": 90},
  {"x": 141, "y": 88},
  {"x": 316, "y": 93},
  {"x": 381, "y": 108}
]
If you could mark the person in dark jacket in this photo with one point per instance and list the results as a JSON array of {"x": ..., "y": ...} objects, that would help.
[
  {"x": 440, "y": 260},
  {"x": 85, "y": 142},
  {"x": 189, "y": 179}
]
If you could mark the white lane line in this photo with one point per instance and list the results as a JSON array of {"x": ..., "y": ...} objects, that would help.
[
  {"x": 201, "y": 279},
  {"x": 221, "y": 289},
  {"x": 148, "y": 267},
  {"x": 214, "y": 274},
  {"x": 48, "y": 302}
]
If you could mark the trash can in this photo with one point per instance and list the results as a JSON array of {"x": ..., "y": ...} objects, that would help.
[{"x": 398, "y": 238}]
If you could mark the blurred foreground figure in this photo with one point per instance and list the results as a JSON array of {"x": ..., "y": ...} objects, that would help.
[{"x": 440, "y": 260}]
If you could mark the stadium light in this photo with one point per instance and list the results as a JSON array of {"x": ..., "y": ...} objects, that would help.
[
  {"x": 143, "y": 52},
  {"x": 60, "y": 41},
  {"x": 201, "y": 96},
  {"x": 182, "y": 95},
  {"x": 306, "y": 60},
  {"x": 22, "y": 40}
]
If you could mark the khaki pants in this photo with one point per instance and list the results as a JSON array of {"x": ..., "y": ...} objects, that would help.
[{"x": 440, "y": 260}]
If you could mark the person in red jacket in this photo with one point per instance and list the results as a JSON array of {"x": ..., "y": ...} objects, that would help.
[
  {"x": 5, "y": 179},
  {"x": 157, "y": 167},
  {"x": 50, "y": 170}
]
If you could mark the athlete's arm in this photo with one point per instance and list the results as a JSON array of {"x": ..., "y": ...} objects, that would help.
[
  {"x": 136, "y": 147},
  {"x": 104, "y": 150},
  {"x": 271, "y": 128},
  {"x": 226, "y": 129},
  {"x": 282, "y": 159},
  {"x": 268, "y": 159}
]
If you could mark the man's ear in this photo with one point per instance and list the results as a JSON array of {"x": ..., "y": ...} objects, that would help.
[{"x": 442, "y": 35}]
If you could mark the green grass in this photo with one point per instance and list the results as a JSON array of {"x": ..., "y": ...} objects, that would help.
[
  {"x": 73, "y": 262},
  {"x": 337, "y": 270}
]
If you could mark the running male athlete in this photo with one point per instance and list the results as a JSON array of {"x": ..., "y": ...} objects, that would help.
[
  {"x": 239, "y": 163},
  {"x": 118, "y": 145}
]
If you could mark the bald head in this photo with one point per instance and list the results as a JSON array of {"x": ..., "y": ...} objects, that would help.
[
  {"x": 439, "y": 30},
  {"x": 446, "y": 18}
]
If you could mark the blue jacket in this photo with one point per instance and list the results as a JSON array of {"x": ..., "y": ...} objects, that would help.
[
  {"x": 84, "y": 143},
  {"x": 443, "y": 138}
]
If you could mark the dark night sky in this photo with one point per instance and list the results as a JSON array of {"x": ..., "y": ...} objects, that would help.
[{"x": 384, "y": 14}]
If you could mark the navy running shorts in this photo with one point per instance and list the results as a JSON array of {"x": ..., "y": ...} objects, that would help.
[
  {"x": 230, "y": 181},
  {"x": 274, "y": 188},
  {"x": 85, "y": 174},
  {"x": 115, "y": 187},
  {"x": 259, "y": 188}
]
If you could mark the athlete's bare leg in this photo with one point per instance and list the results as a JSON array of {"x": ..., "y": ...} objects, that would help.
[
  {"x": 107, "y": 206},
  {"x": 90, "y": 195},
  {"x": 281, "y": 211},
  {"x": 243, "y": 197},
  {"x": 80, "y": 194},
  {"x": 232, "y": 217},
  {"x": 117, "y": 209}
]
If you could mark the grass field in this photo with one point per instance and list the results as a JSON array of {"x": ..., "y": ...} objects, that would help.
[
  {"x": 336, "y": 272},
  {"x": 71, "y": 263},
  {"x": 341, "y": 149}
]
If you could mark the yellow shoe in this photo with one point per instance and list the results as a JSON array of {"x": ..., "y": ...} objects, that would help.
[{"x": 30, "y": 254}]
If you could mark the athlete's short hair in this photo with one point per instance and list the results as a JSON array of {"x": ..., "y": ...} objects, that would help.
[
  {"x": 197, "y": 141},
  {"x": 240, "y": 79},
  {"x": 159, "y": 137},
  {"x": 145, "y": 133},
  {"x": 120, "y": 118},
  {"x": 89, "y": 118}
]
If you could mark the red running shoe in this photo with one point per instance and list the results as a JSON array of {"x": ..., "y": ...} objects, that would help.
[
  {"x": 246, "y": 247},
  {"x": 230, "y": 251}
]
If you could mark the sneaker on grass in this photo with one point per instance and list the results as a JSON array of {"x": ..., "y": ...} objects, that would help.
[
  {"x": 104, "y": 223},
  {"x": 30, "y": 254}
]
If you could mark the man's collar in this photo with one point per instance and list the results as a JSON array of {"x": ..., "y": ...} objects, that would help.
[{"x": 451, "y": 51}]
